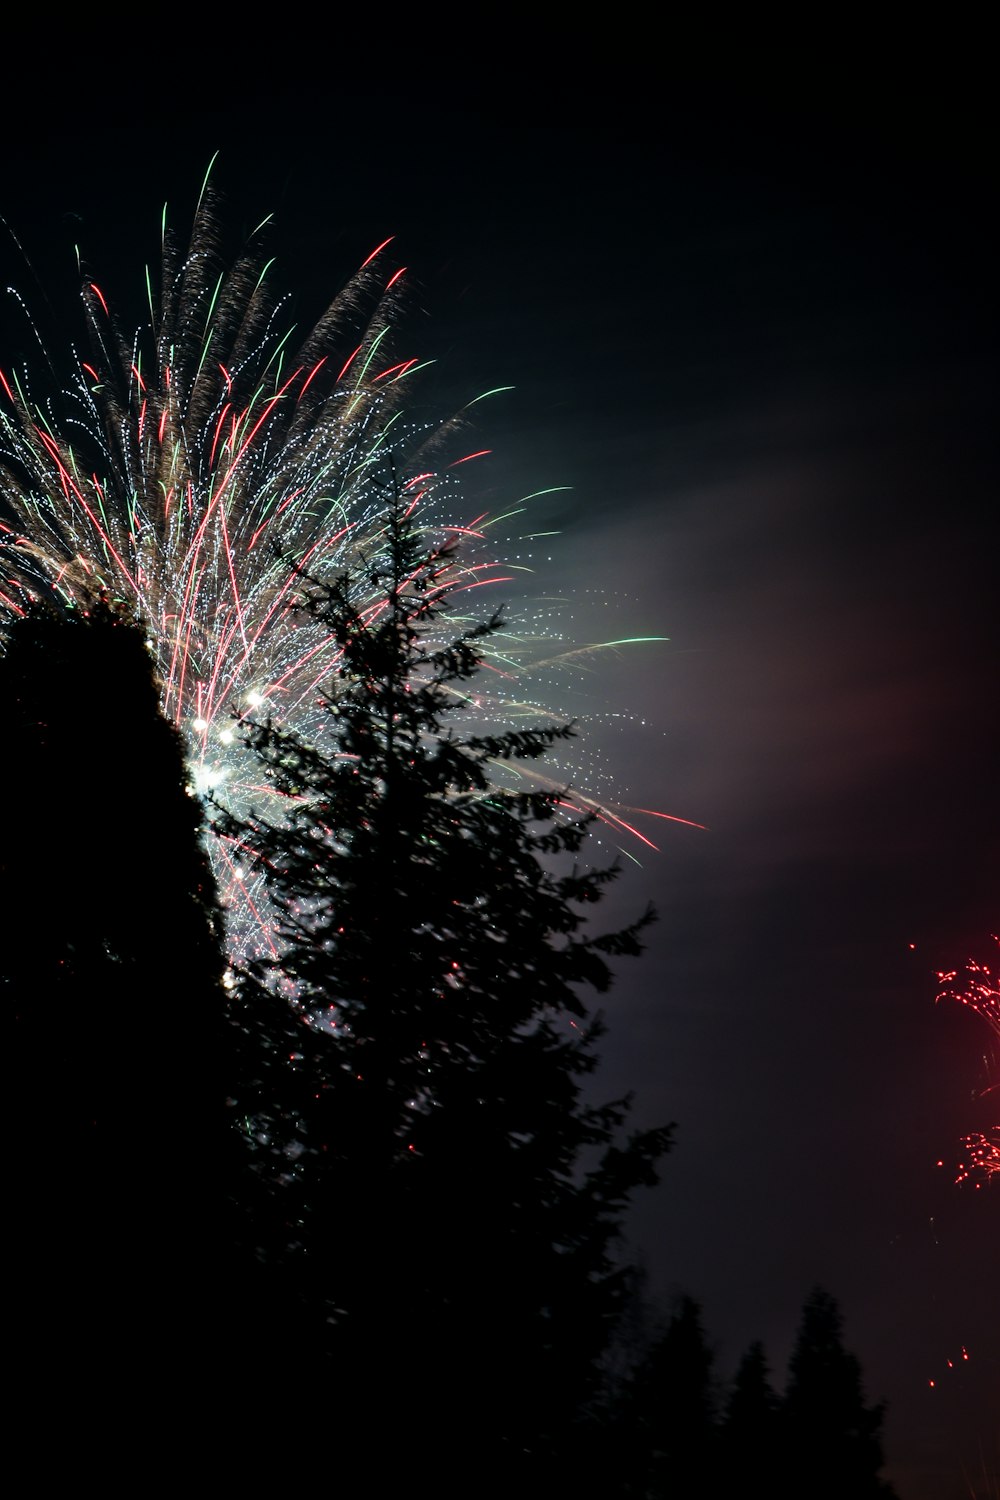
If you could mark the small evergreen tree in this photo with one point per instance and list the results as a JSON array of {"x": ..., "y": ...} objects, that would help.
[
  {"x": 667, "y": 1436},
  {"x": 440, "y": 1195},
  {"x": 832, "y": 1437},
  {"x": 751, "y": 1450}
]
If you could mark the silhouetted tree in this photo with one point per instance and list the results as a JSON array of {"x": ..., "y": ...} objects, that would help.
[
  {"x": 111, "y": 974},
  {"x": 667, "y": 1438},
  {"x": 832, "y": 1437},
  {"x": 751, "y": 1434},
  {"x": 427, "y": 1169}
]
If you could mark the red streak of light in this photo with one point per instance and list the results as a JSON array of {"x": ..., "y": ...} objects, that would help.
[
  {"x": 376, "y": 251},
  {"x": 352, "y": 357},
  {"x": 218, "y": 429},
  {"x": 253, "y": 433},
  {"x": 70, "y": 488},
  {"x": 406, "y": 365},
  {"x": 469, "y": 456},
  {"x": 311, "y": 376},
  {"x": 669, "y": 817},
  {"x": 220, "y": 654},
  {"x": 10, "y": 603},
  {"x": 480, "y": 583},
  {"x": 393, "y": 368},
  {"x": 232, "y": 575},
  {"x": 611, "y": 818}
]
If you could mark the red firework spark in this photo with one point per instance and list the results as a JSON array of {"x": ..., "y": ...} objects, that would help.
[{"x": 977, "y": 986}]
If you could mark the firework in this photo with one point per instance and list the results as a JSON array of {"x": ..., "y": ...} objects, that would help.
[
  {"x": 977, "y": 986},
  {"x": 195, "y": 468}
]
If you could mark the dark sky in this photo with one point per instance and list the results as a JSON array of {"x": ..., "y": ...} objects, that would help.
[{"x": 749, "y": 313}]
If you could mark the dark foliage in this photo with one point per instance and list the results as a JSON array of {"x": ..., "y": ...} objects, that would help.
[
  {"x": 830, "y": 1432},
  {"x": 423, "y": 1165},
  {"x": 666, "y": 1436},
  {"x": 111, "y": 972},
  {"x": 751, "y": 1448},
  {"x": 365, "y": 1187},
  {"x": 674, "y": 1431}
]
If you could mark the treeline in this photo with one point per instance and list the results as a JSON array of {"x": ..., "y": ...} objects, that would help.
[
  {"x": 347, "y": 1202},
  {"x": 674, "y": 1427}
]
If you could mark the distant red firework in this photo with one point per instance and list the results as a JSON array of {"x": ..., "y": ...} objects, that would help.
[{"x": 977, "y": 986}]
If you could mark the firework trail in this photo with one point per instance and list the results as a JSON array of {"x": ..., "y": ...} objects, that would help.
[
  {"x": 977, "y": 986},
  {"x": 196, "y": 466}
]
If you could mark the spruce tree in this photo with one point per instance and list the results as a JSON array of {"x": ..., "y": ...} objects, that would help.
[
  {"x": 667, "y": 1437},
  {"x": 751, "y": 1449},
  {"x": 441, "y": 1200},
  {"x": 832, "y": 1437}
]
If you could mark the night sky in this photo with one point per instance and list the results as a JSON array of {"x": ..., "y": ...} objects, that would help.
[{"x": 750, "y": 321}]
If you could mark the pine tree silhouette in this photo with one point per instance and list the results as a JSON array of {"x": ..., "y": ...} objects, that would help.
[
  {"x": 667, "y": 1437},
  {"x": 751, "y": 1447},
  {"x": 428, "y": 1172},
  {"x": 832, "y": 1437}
]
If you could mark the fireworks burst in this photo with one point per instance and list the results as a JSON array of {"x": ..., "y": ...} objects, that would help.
[
  {"x": 196, "y": 467},
  {"x": 977, "y": 986}
]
